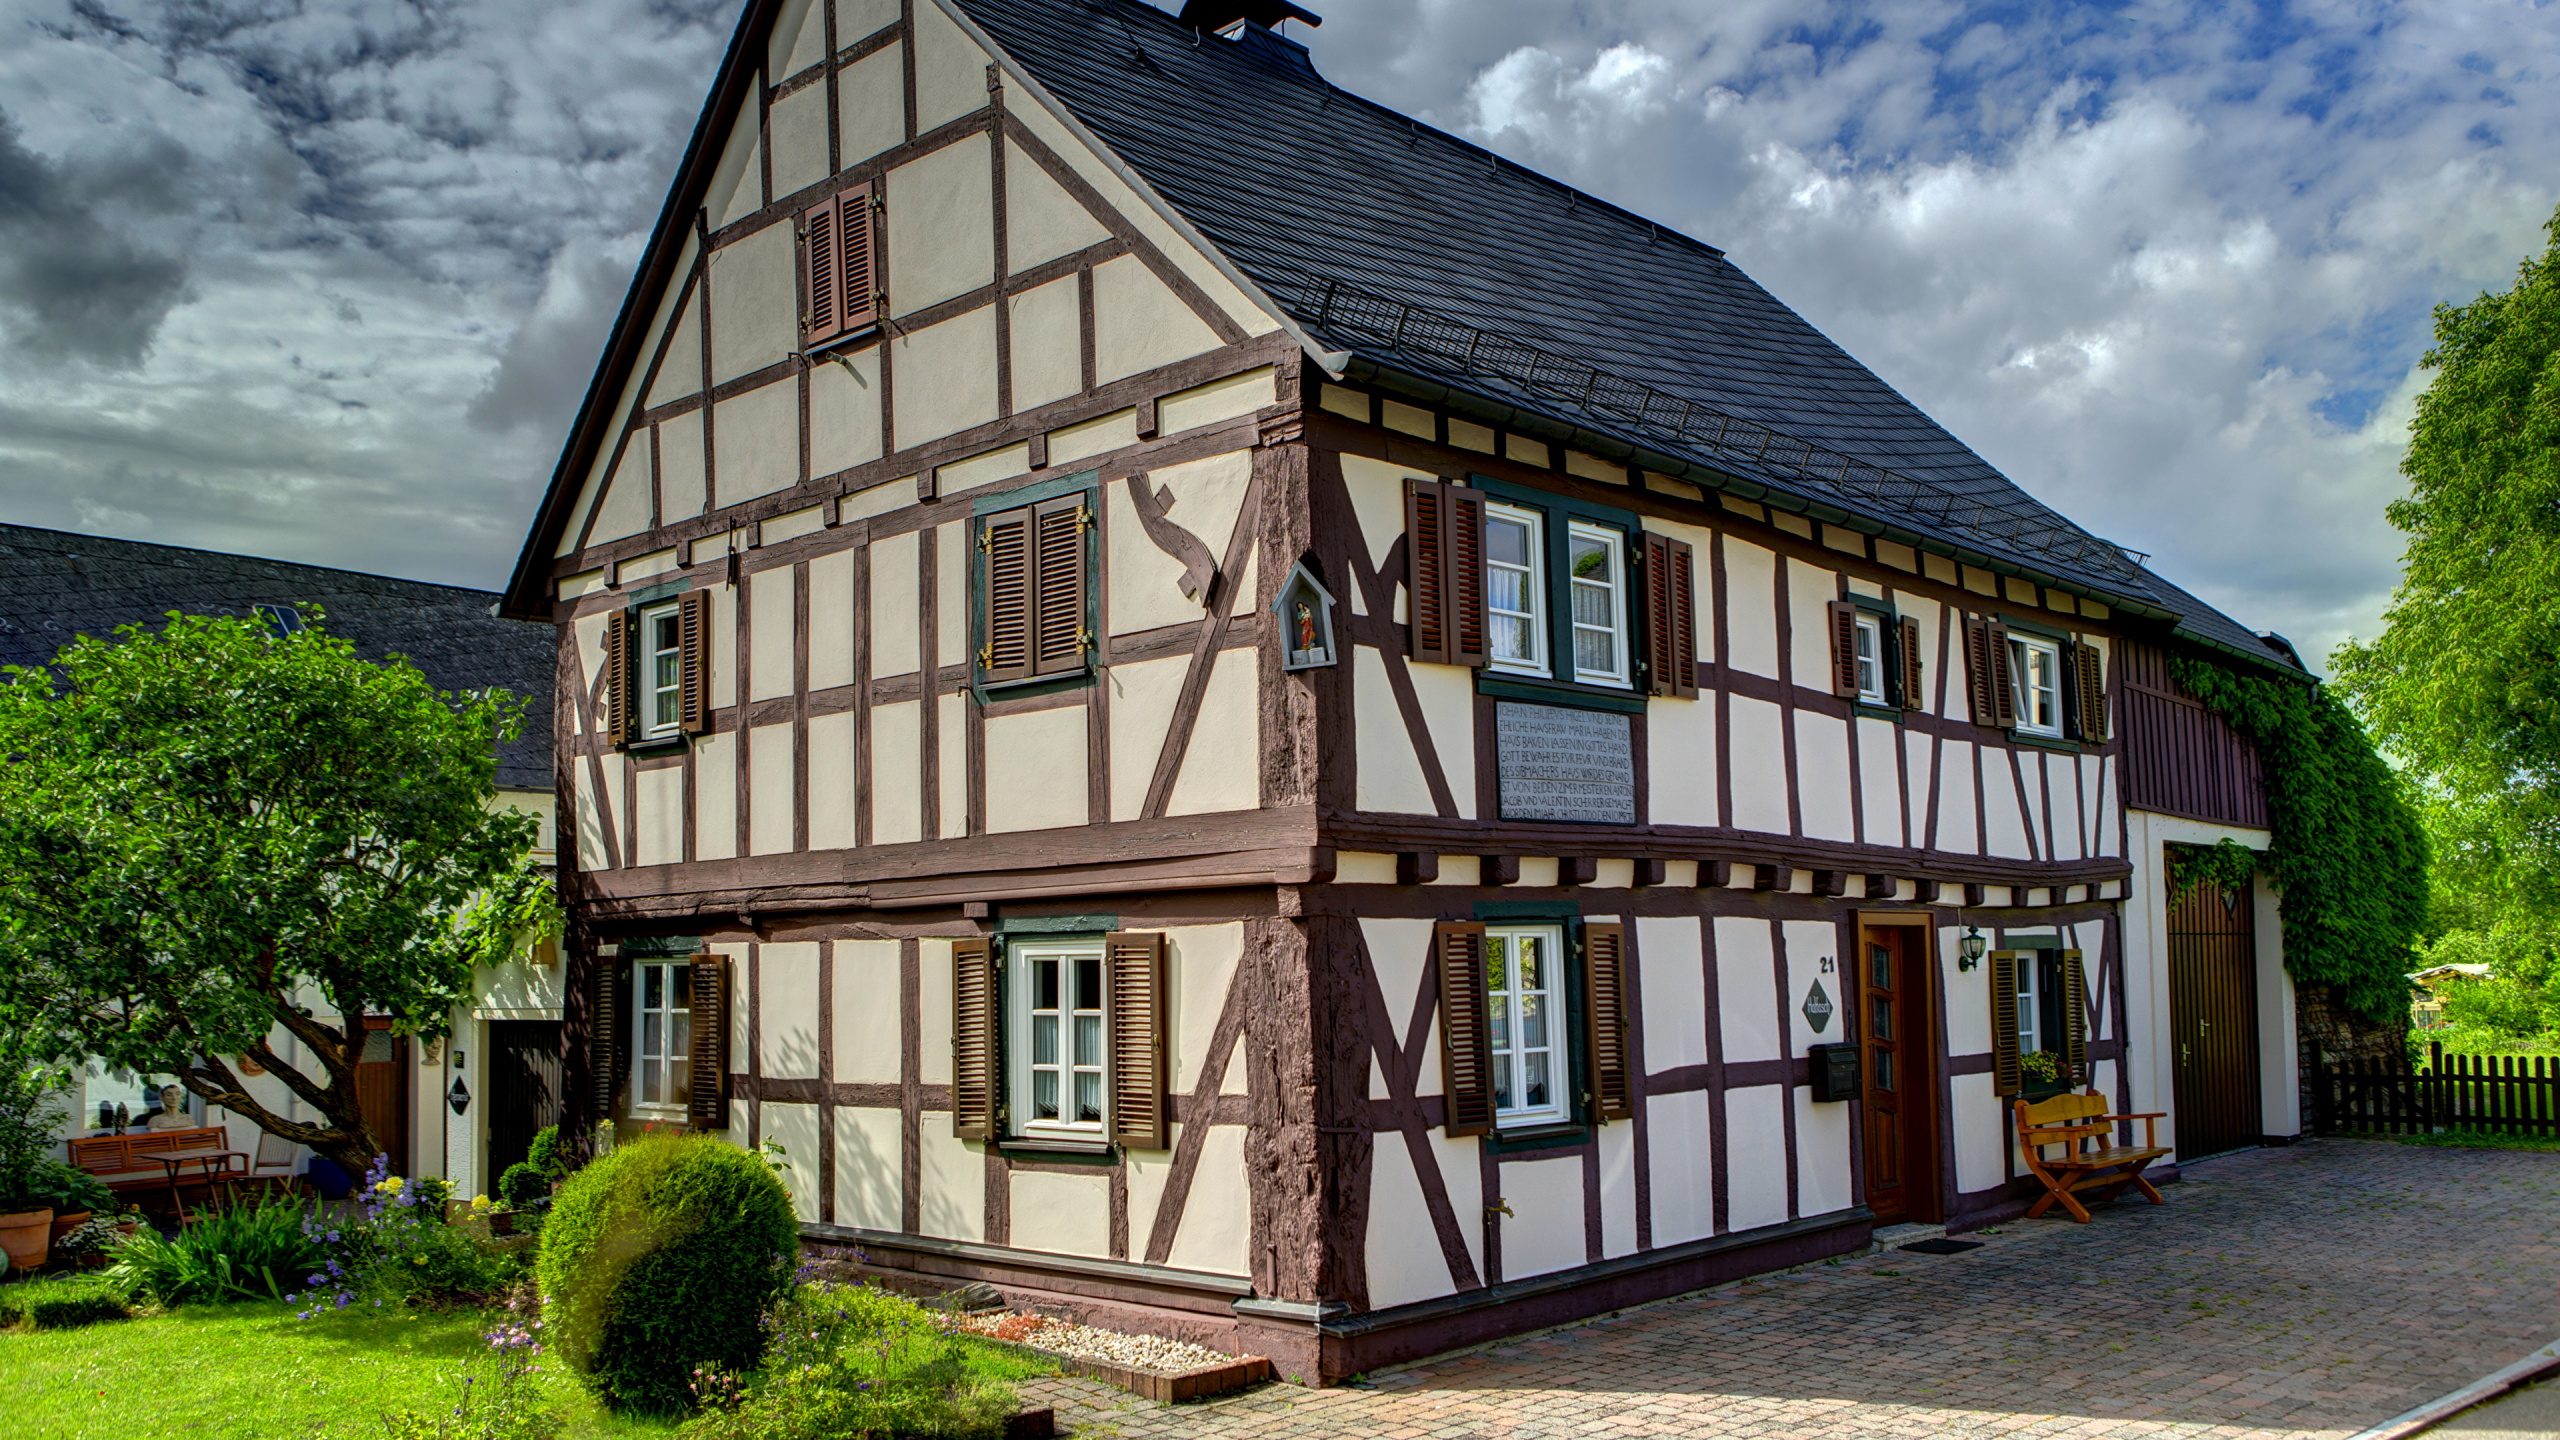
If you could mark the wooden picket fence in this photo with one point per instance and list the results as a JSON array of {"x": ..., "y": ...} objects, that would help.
[{"x": 2499, "y": 1094}]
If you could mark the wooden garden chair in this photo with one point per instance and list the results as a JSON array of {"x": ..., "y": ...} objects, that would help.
[
  {"x": 2080, "y": 1126},
  {"x": 271, "y": 1171}
]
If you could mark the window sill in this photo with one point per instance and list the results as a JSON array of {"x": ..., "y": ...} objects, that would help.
[
  {"x": 655, "y": 745},
  {"x": 1100, "y": 1152},
  {"x": 1543, "y": 1135},
  {"x": 1871, "y": 711},
  {"x": 1037, "y": 685},
  {"x": 1557, "y": 692},
  {"x": 2063, "y": 743},
  {"x": 862, "y": 335}
]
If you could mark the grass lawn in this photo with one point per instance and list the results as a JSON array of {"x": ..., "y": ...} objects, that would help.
[
  {"x": 216, "y": 1372},
  {"x": 2481, "y": 1140}
]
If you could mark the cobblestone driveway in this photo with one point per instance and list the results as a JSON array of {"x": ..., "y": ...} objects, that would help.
[{"x": 2314, "y": 1290}]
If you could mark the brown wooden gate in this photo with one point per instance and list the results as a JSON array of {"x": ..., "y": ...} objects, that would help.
[
  {"x": 525, "y": 1091},
  {"x": 2213, "y": 1017},
  {"x": 382, "y": 1089}
]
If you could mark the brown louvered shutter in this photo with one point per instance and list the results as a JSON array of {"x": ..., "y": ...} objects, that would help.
[
  {"x": 2004, "y": 680},
  {"x": 821, "y": 273},
  {"x": 2075, "y": 1019},
  {"x": 693, "y": 632},
  {"x": 1915, "y": 688},
  {"x": 1005, "y": 540},
  {"x": 2089, "y": 687},
  {"x": 1670, "y": 616},
  {"x": 1844, "y": 649},
  {"x": 1134, "y": 1024},
  {"x": 860, "y": 282},
  {"x": 707, "y": 1093},
  {"x": 2004, "y": 1022},
  {"x": 617, "y": 679},
  {"x": 1463, "y": 579},
  {"x": 1466, "y": 1038},
  {"x": 1060, "y": 634},
  {"x": 1426, "y": 531},
  {"x": 1604, "y": 1015},
  {"x": 973, "y": 1038},
  {"x": 607, "y": 984}
]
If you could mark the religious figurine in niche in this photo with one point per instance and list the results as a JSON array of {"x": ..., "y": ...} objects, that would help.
[{"x": 1306, "y": 626}]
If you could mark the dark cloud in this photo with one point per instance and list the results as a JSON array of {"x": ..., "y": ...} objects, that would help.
[{"x": 73, "y": 284}]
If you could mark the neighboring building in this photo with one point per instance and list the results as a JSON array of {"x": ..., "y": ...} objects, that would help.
[
  {"x": 55, "y": 586},
  {"x": 2426, "y": 1008},
  {"x": 1235, "y": 716}
]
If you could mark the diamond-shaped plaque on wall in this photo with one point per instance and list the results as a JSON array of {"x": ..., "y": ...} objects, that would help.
[{"x": 1817, "y": 1008}]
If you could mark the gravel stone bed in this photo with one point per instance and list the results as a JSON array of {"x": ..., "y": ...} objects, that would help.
[{"x": 1084, "y": 1342}]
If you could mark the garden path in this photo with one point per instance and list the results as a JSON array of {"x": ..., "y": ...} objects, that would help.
[{"x": 2313, "y": 1290}]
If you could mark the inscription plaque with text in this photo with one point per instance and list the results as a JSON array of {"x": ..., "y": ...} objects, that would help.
[{"x": 1558, "y": 764}]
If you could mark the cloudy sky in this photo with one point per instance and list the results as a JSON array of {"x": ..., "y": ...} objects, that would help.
[{"x": 323, "y": 279}]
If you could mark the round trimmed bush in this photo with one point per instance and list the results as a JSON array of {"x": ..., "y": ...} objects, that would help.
[
  {"x": 660, "y": 1257},
  {"x": 522, "y": 1185}
]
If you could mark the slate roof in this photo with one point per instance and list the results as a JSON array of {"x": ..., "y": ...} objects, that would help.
[
  {"x": 1383, "y": 236},
  {"x": 55, "y": 585}
]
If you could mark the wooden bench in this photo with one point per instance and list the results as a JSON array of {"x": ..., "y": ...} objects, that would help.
[
  {"x": 130, "y": 1165},
  {"x": 2080, "y": 1126}
]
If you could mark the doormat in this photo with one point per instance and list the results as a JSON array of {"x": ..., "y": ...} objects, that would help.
[{"x": 1940, "y": 1246}]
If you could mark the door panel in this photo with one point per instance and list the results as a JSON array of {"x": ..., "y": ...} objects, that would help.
[
  {"x": 2213, "y": 1018},
  {"x": 524, "y": 1089},
  {"x": 382, "y": 1091},
  {"x": 1900, "y": 1116}
]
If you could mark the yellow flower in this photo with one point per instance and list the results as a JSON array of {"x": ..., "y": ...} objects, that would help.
[{"x": 390, "y": 1186}]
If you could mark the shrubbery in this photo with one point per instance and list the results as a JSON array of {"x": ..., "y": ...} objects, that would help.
[
  {"x": 661, "y": 1257},
  {"x": 851, "y": 1360},
  {"x": 397, "y": 1249},
  {"x": 245, "y": 1252}
]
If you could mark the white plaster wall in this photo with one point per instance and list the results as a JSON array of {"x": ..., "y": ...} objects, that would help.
[
  {"x": 1228, "y": 399},
  {"x": 1810, "y": 589},
  {"x": 772, "y": 600},
  {"x": 1680, "y": 737},
  {"x": 1981, "y": 1133},
  {"x": 831, "y": 620},
  {"x": 934, "y": 981},
  {"x": 897, "y": 773},
  {"x": 1543, "y": 1233},
  {"x": 1674, "y": 1013},
  {"x": 941, "y": 224},
  {"x": 1142, "y": 698},
  {"x": 795, "y": 1128},
  {"x": 1617, "y": 1190},
  {"x": 844, "y": 411},
  {"x": 1681, "y": 1157},
  {"x": 1759, "y": 777},
  {"x": 798, "y": 39},
  {"x": 756, "y": 442},
  {"x": 2004, "y": 825},
  {"x": 953, "y": 1199},
  {"x": 1813, "y": 950},
  {"x": 625, "y": 510},
  {"x": 871, "y": 101},
  {"x": 1755, "y": 1157},
  {"x": 1377, "y": 502},
  {"x": 787, "y": 998},
  {"x": 1958, "y": 834},
  {"x": 1822, "y": 775},
  {"x": 952, "y": 710},
  {"x": 754, "y": 303},
  {"x": 1036, "y": 770},
  {"x": 1207, "y": 497},
  {"x": 951, "y": 71},
  {"x": 592, "y": 814},
  {"x": 1218, "y": 772},
  {"x": 1880, "y": 779},
  {"x": 1202, "y": 961},
  {"x": 724, "y": 645},
  {"x": 1401, "y": 1248},
  {"x": 1139, "y": 323},
  {"x": 1063, "y": 1214},
  {"x": 868, "y": 1167},
  {"x": 896, "y": 599},
  {"x": 1822, "y": 1155},
  {"x": 715, "y": 797},
  {"x": 1048, "y": 330},
  {"x": 866, "y": 1001},
  {"x": 1400, "y": 957},
  {"x": 799, "y": 127},
  {"x": 1042, "y": 221},
  {"x": 1751, "y": 622},
  {"x": 1387, "y": 773},
  {"x": 682, "y": 474},
  {"x": 1746, "y": 989},
  {"x": 658, "y": 816},
  {"x": 1215, "y": 1232},
  {"x": 771, "y": 812},
  {"x": 946, "y": 376}
]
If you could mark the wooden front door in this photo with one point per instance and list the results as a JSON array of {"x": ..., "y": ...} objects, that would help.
[
  {"x": 1895, "y": 1033},
  {"x": 382, "y": 1090},
  {"x": 524, "y": 1090},
  {"x": 2213, "y": 1018}
]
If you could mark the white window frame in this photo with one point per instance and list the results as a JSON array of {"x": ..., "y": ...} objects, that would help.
[
  {"x": 661, "y": 705},
  {"x": 1870, "y": 658},
  {"x": 2039, "y": 705},
  {"x": 1535, "y": 618},
  {"x": 1613, "y": 542},
  {"x": 2030, "y": 968},
  {"x": 1510, "y": 1048},
  {"x": 1022, "y": 964},
  {"x": 676, "y": 998}
]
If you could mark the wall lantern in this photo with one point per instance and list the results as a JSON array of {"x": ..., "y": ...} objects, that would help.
[
  {"x": 1305, "y": 612},
  {"x": 1969, "y": 949}
]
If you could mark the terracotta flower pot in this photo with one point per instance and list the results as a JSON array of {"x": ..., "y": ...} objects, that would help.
[
  {"x": 27, "y": 1237},
  {"x": 65, "y": 1224}
]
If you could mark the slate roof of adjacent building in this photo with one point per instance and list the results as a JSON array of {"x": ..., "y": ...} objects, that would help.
[
  {"x": 55, "y": 586},
  {"x": 1425, "y": 261}
]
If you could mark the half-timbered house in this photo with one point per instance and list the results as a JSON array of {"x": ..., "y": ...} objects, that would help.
[{"x": 1237, "y": 717}]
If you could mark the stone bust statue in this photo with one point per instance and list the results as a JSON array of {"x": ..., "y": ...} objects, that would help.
[{"x": 172, "y": 1114}]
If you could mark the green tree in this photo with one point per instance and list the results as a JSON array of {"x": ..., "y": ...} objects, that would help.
[
  {"x": 2463, "y": 685},
  {"x": 209, "y": 835}
]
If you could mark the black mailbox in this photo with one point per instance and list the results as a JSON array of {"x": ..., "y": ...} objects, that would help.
[{"x": 1835, "y": 1071}]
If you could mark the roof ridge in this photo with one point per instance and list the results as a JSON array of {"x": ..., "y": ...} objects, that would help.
[{"x": 9, "y": 531}]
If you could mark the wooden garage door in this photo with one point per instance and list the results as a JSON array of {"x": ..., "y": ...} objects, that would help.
[{"x": 2213, "y": 1009}]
